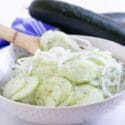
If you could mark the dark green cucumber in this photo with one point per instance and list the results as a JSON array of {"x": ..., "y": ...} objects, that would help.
[
  {"x": 117, "y": 17},
  {"x": 76, "y": 20}
]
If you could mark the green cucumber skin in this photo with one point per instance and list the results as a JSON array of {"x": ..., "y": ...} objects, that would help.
[
  {"x": 117, "y": 17},
  {"x": 76, "y": 20}
]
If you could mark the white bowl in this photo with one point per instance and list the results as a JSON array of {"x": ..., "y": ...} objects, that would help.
[{"x": 60, "y": 115}]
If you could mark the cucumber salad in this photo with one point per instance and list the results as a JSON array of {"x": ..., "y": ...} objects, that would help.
[{"x": 63, "y": 74}]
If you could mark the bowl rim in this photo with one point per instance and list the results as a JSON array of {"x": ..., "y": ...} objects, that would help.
[
  {"x": 62, "y": 107},
  {"x": 68, "y": 107}
]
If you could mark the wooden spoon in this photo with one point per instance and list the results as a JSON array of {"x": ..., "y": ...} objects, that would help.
[{"x": 28, "y": 42}]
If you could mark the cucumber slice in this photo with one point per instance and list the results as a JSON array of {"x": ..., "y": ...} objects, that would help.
[
  {"x": 53, "y": 91},
  {"x": 48, "y": 94},
  {"x": 44, "y": 71},
  {"x": 95, "y": 82},
  {"x": 86, "y": 94},
  {"x": 68, "y": 101},
  {"x": 79, "y": 70},
  {"x": 32, "y": 83},
  {"x": 101, "y": 57},
  {"x": 28, "y": 100},
  {"x": 13, "y": 86},
  {"x": 66, "y": 88},
  {"x": 45, "y": 65},
  {"x": 52, "y": 39},
  {"x": 38, "y": 95}
]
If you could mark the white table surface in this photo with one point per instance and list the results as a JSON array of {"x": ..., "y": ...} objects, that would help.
[{"x": 9, "y": 9}]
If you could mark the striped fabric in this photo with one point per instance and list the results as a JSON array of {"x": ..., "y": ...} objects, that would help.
[{"x": 29, "y": 26}]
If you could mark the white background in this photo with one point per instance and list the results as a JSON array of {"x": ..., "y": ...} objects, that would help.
[{"x": 9, "y": 9}]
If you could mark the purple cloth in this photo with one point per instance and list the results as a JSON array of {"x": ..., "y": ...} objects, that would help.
[{"x": 28, "y": 26}]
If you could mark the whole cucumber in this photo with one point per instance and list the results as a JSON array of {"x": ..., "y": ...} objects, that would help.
[
  {"x": 117, "y": 17},
  {"x": 76, "y": 20}
]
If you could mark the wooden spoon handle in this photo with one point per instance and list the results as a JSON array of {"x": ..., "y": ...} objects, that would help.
[
  {"x": 29, "y": 43},
  {"x": 7, "y": 33}
]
